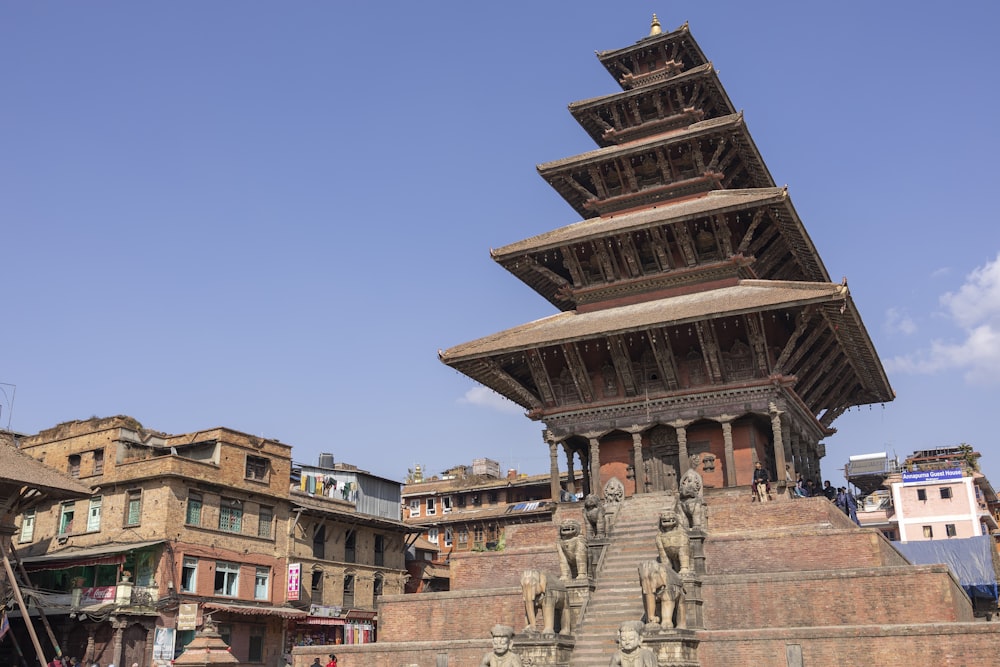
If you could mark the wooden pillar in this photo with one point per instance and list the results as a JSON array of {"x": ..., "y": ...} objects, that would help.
[
  {"x": 779, "y": 442},
  {"x": 595, "y": 464},
  {"x": 638, "y": 465},
  {"x": 5, "y": 539},
  {"x": 570, "y": 470},
  {"x": 727, "y": 436},
  {"x": 554, "y": 488},
  {"x": 680, "y": 427}
]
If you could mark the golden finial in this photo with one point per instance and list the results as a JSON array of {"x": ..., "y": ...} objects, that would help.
[{"x": 654, "y": 28}]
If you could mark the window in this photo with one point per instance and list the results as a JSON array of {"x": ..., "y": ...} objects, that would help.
[
  {"x": 189, "y": 574},
  {"x": 446, "y": 504},
  {"x": 66, "y": 511},
  {"x": 319, "y": 542},
  {"x": 378, "y": 585},
  {"x": 227, "y": 579},
  {"x": 447, "y": 537},
  {"x": 432, "y": 535},
  {"x": 74, "y": 466},
  {"x": 230, "y": 515},
  {"x": 98, "y": 461},
  {"x": 226, "y": 633},
  {"x": 350, "y": 546},
  {"x": 921, "y": 494},
  {"x": 94, "y": 515},
  {"x": 945, "y": 492},
  {"x": 133, "y": 507},
  {"x": 479, "y": 537},
  {"x": 463, "y": 536},
  {"x": 431, "y": 506},
  {"x": 415, "y": 507},
  {"x": 459, "y": 501},
  {"x": 493, "y": 498},
  {"x": 316, "y": 585},
  {"x": 348, "y": 590},
  {"x": 380, "y": 550},
  {"x": 949, "y": 530},
  {"x": 261, "y": 583},
  {"x": 265, "y": 517},
  {"x": 257, "y": 468},
  {"x": 255, "y": 649},
  {"x": 28, "y": 526},
  {"x": 928, "y": 532},
  {"x": 193, "y": 516},
  {"x": 476, "y": 499}
]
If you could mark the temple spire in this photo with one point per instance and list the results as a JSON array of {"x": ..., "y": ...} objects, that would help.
[{"x": 654, "y": 27}]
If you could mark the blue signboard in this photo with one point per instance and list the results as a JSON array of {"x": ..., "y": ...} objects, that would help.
[{"x": 932, "y": 476}]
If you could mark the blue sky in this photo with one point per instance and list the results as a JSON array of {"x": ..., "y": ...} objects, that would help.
[{"x": 270, "y": 216}]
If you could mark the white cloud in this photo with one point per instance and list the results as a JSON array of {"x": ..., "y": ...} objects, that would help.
[
  {"x": 899, "y": 321},
  {"x": 487, "y": 398},
  {"x": 975, "y": 308}
]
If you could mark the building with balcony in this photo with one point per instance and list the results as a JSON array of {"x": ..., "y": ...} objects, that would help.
[{"x": 181, "y": 526}]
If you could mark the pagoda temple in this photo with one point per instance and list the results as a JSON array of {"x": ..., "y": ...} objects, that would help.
[{"x": 696, "y": 316}]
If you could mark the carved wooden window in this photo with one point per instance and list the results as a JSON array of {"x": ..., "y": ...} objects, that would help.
[
  {"x": 348, "y": 590},
  {"x": 463, "y": 536},
  {"x": 66, "y": 512},
  {"x": 230, "y": 515},
  {"x": 227, "y": 579},
  {"x": 256, "y": 468},
  {"x": 319, "y": 542},
  {"x": 94, "y": 515},
  {"x": 351, "y": 546},
  {"x": 28, "y": 526},
  {"x": 380, "y": 550},
  {"x": 261, "y": 583},
  {"x": 98, "y": 461},
  {"x": 133, "y": 507},
  {"x": 193, "y": 512},
  {"x": 189, "y": 574},
  {"x": 378, "y": 585},
  {"x": 74, "y": 466},
  {"x": 265, "y": 520}
]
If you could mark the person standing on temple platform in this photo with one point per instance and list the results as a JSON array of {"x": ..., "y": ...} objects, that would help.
[
  {"x": 761, "y": 483},
  {"x": 829, "y": 491}
]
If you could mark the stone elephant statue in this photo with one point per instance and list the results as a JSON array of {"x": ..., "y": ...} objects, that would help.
[
  {"x": 546, "y": 592},
  {"x": 660, "y": 584}
]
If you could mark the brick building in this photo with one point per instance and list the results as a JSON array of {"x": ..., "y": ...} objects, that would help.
[{"x": 203, "y": 522}]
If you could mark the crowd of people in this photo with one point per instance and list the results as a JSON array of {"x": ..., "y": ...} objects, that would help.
[
  {"x": 807, "y": 488},
  {"x": 64, "y": 661}
]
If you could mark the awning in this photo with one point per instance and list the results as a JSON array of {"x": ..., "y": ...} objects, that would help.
[
  {"x": 106, "y": 555},
  {"x": 320, "y": 620},
  {"x": 358, "y": 615},
  {"x": 253, "y": 610}
]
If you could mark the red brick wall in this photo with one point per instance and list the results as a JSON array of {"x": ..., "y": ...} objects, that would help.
[
  {"x": 449, "y": 616},
  {"x": 492, "y": 569},
  {"x": 930, "y": 645},
  {"x": 804, "y": 549},
  {"x": 867, "y": 596},
  {"x": 381, "y": 654}
]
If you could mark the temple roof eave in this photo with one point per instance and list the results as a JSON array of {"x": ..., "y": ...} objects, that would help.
[
  {"x": 693, "y": 131},
  {"x": 747, "y": 296}
]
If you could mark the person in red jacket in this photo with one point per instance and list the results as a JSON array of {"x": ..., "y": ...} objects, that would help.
[{"x": 333, "y": 661}]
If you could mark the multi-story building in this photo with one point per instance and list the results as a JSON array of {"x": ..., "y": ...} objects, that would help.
[
  {"x": 467, "y": 508},
  {"x": 183, "y": 525},
  {"x": 934, "y": 494}
]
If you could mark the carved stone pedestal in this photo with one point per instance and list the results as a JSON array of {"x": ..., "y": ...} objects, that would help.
[
  {"x": 697, "y": 537},
  {"x": 551, "y": 652},
  {"x": 595, "y": 547},
  {"x": 673, "y": 648},
  {"x": 694, "y": 613},
  {"x": 579, "y": 591}
]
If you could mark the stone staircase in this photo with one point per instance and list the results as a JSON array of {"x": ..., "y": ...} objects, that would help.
[{"x": 617, "y": 596}]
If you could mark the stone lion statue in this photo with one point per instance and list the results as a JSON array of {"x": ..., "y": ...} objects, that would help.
[
  {"x": 596, "y": 516},
  {"x": 544, "y": 591},
  {"x": 572, "y": 551},
  {"x": 673, "y": 543},
  {"x": 664, "y": 587}
]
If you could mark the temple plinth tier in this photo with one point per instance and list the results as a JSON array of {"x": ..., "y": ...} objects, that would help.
[{"x": 696, "y": 315}]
